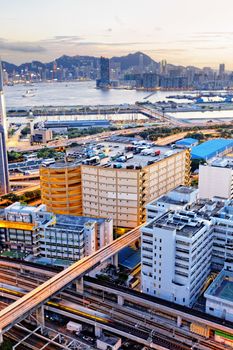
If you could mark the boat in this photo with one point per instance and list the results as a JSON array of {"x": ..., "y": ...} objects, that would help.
[{"x": 28, "y": 93}]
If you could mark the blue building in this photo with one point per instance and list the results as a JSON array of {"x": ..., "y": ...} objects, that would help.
[
  {"x": 212, "y": 148},
  {"x": 77, "y": 124},
  {"x": 187, "y": 143}
]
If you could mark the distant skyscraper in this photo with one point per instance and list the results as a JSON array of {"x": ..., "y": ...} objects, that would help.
[
  {"x": 163, "y": 66},
  {"x": 141, "y": 63},
  {"x": 104, "y": 73},
  {"x": 221, "y": 70},
  {"x": 4, "y": 179}
]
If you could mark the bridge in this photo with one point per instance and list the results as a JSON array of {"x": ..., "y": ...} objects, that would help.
[{"x": 31, "y": 301}]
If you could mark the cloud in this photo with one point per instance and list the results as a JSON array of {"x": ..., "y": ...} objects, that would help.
[
  {"x": 169, "y": 50},
  {"x": 212, "y": 48},
  {"x": 102, "y": 43},
  {"x": 20, "y": 46},
  {"x": 63, "y": 39},
  {"x": 212, "y": 35}
]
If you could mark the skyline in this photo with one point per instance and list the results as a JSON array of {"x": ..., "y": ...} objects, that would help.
[{"x": 199, "y": 36}]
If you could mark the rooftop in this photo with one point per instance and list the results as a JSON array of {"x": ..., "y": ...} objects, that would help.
[
  {"x": 187, "y": 142},
  {"x": 22, "y": 208},
  {"x": 76, "y": 223},
  {"x": 185, "y": 223},
  {"x": 211, "y": 148},
  {"x": 222, "y": 286},
  {"x": 129, "y": 257},
  {"x": 169, "y": 198},
  {"x": 119, "y": 155}
]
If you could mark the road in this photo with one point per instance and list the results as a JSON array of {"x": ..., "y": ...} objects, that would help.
[
  {"x": 13, "y": 141},
  {"x": 17, "y": 311},
  {"x": 62, "y": 143}
]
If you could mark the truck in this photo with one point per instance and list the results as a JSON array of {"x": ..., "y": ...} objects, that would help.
[
  {"x": 147, "y": 152},
  {"x": 74, "y": 327},
  {"x": 157, "y": 153}
]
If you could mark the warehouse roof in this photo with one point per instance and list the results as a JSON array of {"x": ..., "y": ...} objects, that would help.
[
  {"x": 187, "y": 142},
  {"x": 211, "y": 148}
]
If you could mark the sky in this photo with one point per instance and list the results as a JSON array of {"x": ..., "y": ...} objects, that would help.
[{"x": 186, "y": 32}]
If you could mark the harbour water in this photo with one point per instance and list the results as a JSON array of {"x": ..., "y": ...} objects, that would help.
[
  {"x": 76, "y": 93},
  {"x": 85, "y": 93}
]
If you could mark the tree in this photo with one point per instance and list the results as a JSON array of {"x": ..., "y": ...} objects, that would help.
[{"x": 25, "y": 131}]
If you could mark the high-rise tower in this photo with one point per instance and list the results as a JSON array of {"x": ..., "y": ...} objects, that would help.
[
  {"x": 104, "y": 80},
  {"x": 4, "y": 177}
]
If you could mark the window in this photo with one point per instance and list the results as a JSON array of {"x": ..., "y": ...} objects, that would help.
[
  {"x": 183, "y": 300},
  {"x": 211, "y": 308}
]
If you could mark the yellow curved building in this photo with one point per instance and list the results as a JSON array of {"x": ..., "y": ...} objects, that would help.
[{"x": 61, "y": 188}]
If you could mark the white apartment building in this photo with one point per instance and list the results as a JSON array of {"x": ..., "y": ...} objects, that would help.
[
  {"x": 216, "y": 179},
  {"x": 181, "y": 247},
  {"x": 176, "y": 256}
]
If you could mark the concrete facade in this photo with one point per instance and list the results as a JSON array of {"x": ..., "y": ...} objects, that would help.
[
  {"x": 118, "y": 193},
  {"x": 216, "y": 179},
  {"x": 34, "y": 230}
]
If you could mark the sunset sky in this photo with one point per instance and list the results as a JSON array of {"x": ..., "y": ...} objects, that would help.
[{"x": 184, "y": 32}]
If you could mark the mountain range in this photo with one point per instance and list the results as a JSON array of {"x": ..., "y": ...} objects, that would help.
[{"x": 70, "y": 62}]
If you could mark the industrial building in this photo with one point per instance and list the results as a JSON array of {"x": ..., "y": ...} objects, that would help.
[
  {"x": 81, "y": 124},
  {"x": 41, "y": 135},
  {"x": 183, "y": 242},
  {"x": 186, "y": 143},
  {"x": 216, "y": 178},
  {"x": 35, "y": 231},
  {"x": 212, "y": 148},
  {"x": 116, "y": 182},
  {"x": 219, "y": 296}
]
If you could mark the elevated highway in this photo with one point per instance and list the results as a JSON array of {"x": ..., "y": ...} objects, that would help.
[{"x": 20, "y": 309}]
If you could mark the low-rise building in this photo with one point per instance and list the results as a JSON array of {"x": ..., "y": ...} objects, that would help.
[
  {"x": 18, "y": 228},
  {"x": 34, "y": 230},
  {"x": 186, "y": 143},
  {"x": 41, "y": 136},
  {"x": 219, "y": 296},
  {"x": 212, "y": 148}
]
